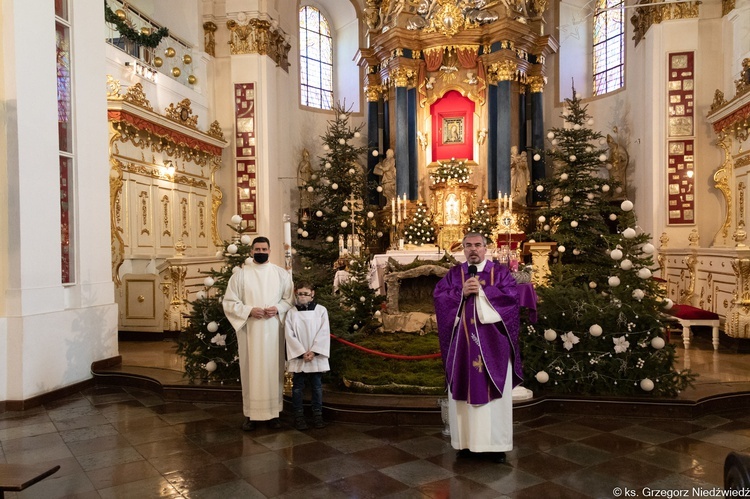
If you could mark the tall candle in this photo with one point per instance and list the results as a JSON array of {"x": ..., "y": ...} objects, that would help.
[
  {"x": 404, "y": 207},
  {"x": 393, "y": 211},
  {"x": 398, "y": 207},
  {"x": 287, "y": 233},
  {"x": 510, "y": 207}
]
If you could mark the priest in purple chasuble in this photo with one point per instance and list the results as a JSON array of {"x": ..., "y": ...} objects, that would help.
[{"x": 478, "y": 322}]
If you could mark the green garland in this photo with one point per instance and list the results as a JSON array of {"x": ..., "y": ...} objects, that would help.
[
  {"x": 151, "y": 40},
  {"x": 452, "y": 169}
]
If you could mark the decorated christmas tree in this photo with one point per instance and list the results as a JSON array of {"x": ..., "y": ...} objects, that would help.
[
  {"x": 482, "y": 221},
  {"x": 419, "y": 230},
  {"x": 600, "y": 328},
  {"x": 209, "y": 343}
]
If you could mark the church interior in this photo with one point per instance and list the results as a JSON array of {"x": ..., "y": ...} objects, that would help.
[{"x": 181, "y": 124}]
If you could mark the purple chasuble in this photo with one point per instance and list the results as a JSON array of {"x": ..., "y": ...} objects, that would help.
[{"x": 476, "y": 355}]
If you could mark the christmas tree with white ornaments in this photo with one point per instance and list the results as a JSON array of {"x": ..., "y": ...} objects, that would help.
[
  {"x": 482, "y": 221},
  {"x": 419, "y": 230},
  {"x": 600, "y": 327}
]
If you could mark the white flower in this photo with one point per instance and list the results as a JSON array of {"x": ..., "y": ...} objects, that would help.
[
  {"x": 621, "y": 344},
  {"x": 569, "y": 339},
  {"x": 219, "y": 340}
]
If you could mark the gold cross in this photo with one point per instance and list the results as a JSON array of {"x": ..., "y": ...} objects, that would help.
[{"x": 477, "y": 363}]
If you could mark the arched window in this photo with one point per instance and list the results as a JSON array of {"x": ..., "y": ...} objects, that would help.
[
  {"x": 316, "y": 59},
  {"x": 609, "y": 46}
]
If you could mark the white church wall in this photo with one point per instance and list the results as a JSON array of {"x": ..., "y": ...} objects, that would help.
[{"x": 54, "y": 332}]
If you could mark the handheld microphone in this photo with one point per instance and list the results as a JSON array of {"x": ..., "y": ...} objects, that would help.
[{"x": 472, "y": 271}]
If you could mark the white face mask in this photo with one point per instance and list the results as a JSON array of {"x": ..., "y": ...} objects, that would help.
[{"x": 305, "y": 298}]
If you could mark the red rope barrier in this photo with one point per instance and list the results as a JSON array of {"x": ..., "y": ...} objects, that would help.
[{"x": 386, "y": 355}]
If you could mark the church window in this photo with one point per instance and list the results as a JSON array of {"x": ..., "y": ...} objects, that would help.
[
  {"x": 65, "y": 137},
  {"x": 609, "y": 46},
  {"x": 316, "y": 59}
]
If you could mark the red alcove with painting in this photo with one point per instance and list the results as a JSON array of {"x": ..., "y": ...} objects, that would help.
[{"x": 452, "y": 127}]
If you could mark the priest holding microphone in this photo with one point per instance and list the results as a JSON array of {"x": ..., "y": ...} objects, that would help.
[{"x": 478, "y": 322}]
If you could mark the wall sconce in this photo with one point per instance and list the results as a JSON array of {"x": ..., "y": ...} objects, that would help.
[{"x": 168, "y": 168}]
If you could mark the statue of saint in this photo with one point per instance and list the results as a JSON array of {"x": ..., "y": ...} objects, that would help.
[
  {"x": 619, "y": 159},
  {"x": 519, "y": 175},
  {"x": 387, "y": 171},
  {"x": 304, "y": 175}
]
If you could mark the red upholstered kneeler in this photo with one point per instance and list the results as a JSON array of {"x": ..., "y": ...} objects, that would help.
[{"x": 693, "y": 316}]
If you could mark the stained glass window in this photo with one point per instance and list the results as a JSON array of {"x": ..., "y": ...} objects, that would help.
[
  {"x": 609, "y": 46},
  {"x": 316, "y": 59},
  {"x": 65, "y": 139}
]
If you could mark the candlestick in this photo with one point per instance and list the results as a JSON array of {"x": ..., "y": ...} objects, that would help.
[
  {"x": 287, "y": 232},
  {"x": 393, "y": 211},
  {"x": 510, "y": 207},
  {"x": 404, "y": 207},
  {"x": 398, "y": 208}
]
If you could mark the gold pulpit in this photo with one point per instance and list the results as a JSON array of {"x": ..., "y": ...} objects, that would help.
[{"x": 452, "y": 205}]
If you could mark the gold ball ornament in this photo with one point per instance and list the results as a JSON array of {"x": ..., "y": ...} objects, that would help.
[
  {"x": 169, "y": 52},
  {"x": 176, "y": 72},
  {"x": 121, "y": 14},
  {"x": 158, "y": 61},
  {"x": 145, "y": 30},
  {"x": 192, "y": 79},
  {"x": 187, "y": 59}
]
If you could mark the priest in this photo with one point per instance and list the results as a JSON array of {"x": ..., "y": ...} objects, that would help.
[
  {"x": 478, "y": 321},
  {"x": 255, "y": 302}
]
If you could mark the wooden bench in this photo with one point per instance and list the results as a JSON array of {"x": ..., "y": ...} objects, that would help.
[
  {"x": 16, "y": 477},
  {"x": 688, "y": 316}
]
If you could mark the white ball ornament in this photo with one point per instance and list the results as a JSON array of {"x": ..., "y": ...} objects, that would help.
[
  {"x": 370, "y": 214},
  {"x": 344, "y": 224},
  {"x": 605, "y": 188},
  {"x": 554, "y": 142},
  {"x": 561, "y": 249},
  {"x": 572, "y": 157},
  {"x": 668, "y": 303},
  {"x": 563, "y": 176},
  {"x": 616, "y": 254},
  {"x": 592, "y": 285},
  {"x": 602, "y": 141},
  {"x": 299, "y": 230},
  {"x": 539, "y": 188},
  {"x": 305, "y": 233},
  {"x": 351, "y": 171},
  {"x": 576, "y": 127},
  {"x": 576, "y": 252},
  {"x": 647, "y": 385},
  {"x": 542, "y": 377},
  {"x": 546, "y": 227},
  {"x": 319, "y": 213},
  {"x": 345, "y": 208},
  {"x": 542, "y": 219},
  {"x": 362, "y": 299},
  {"x": 612, "y": 217},
  {"x": 626, "y": 205},
  {"x": 342, "y": 116},
  {"x": 566, "y": 199},
  {"x": 638, "y": 294},
  {"x": 212, "y": 327},
  {"x": 211, "y": 366},
  {"x": 375, "y": 153},
  {"x": 537, "y": 157},
  {"x": 550, "y": 334},
  {"x": 590, "y": 196},
  {"x": 379, "y": 189},
  {"x": 245, "y": 239},
  {"x": 550, "y": 135},
  {"x": 232, "y": 249},
  {"x": 658, "y": 343},
  {"x": 628, "y": 233},
  {"x": 327, "y": 165},
  {"x": 648, "y": 248},
  {"x": 236, "y": 219},
  {"x": 602, "y": 158},
  {"x": 589, "y": 149},
  {"x": 380, "y": 234},
  {"x": 326, "y": 147},
  {"x": 618, "y": 190},
  {"x": 208, "y": 281},
  {"x": 574, "y": 224},
  {"x": 310, "y": 188},
  {"x": 644, "y": 273},
  {"x": 357, "y": 135},
  {"x": 334, "y": 186},
  {"x": 626, "y": 264},
  {"x": 342, "y": 141},
  {"x": 613, "y": 281},
  {"x": 329, "y": 239},
  {"x": 200, "y": 295},
  {"x": 595, "y": 330}
]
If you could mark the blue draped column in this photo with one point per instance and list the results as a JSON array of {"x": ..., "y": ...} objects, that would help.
[
  {"x": 413, "y": 191},
  {"x": 402, "y": 141},
  {"x": 536, "y": 84},
  {"x": 522, "y": 119},
  {"x": 502, "y": 148},
  {"x": 492, "y": 142},
  {"x": 373, "y": 135}
]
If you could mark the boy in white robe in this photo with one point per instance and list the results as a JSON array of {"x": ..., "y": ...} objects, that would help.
[{"x": 308, "y": 346}]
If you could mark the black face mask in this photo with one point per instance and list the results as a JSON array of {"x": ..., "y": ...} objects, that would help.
[{"x": 260, "y": 257}]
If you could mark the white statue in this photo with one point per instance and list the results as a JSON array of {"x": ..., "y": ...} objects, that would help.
[
  {"x": 387, "y": 171},
  {"x": 519, "y": 175}
]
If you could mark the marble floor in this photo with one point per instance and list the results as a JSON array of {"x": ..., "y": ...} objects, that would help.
[{"x": 127, "y": 442}]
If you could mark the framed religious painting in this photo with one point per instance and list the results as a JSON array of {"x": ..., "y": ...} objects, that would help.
[{"x": 453, "y": 130}]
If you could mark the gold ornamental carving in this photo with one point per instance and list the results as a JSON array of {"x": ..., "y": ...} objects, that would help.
[
  {"x": 719, "y": 100},
  {"x": 502, "y": 71},
  {"x": 646, "y": 16},
  {"x": 403, "y": 77},
  {"x": 258, "y": 37},
  {"x": 448, "y": 20},
  {"x": 738, "y": 316},
  {"x": 216, "y": 200},
  {"x": 686, "y": 295},
  {"x": 536, "y": 83},
  {"x": 182, "y": 113},
  {"x": 215, "y": 130},
  {"x": 373, "y": 92},
  {"x": 209, "y": 38},
  {"x": 134, "y": 95},
  {"x": 540, "y": 252},
  {"x": 721, "y": 182},
  {"x": 115, "y": 213}
]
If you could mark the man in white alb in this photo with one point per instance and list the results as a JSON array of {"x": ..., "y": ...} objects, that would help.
[{"x": 255, "y": 302}]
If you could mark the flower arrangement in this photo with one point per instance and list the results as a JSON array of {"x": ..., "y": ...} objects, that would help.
[{"x": 447, "y": 170}]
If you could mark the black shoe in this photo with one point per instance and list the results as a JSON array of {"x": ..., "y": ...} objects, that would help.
[
  {"x": 274, "y": 424},
  {"x": 464, "y": 453},
  {"x": 497, "y": 457},
  {"x": 300, "y": 423},
  {"x": 248, "y": 425},
  {"x": 318, "y": 421}
]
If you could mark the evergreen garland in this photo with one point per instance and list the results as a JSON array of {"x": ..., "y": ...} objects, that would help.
[
  {"x": 151, "y": 40},
  {"x": 447, "y": 170}
]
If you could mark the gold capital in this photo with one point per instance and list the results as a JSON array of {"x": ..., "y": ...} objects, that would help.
[{"x": 536, "y": 83}]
